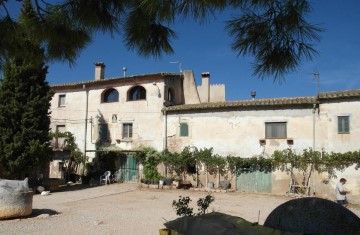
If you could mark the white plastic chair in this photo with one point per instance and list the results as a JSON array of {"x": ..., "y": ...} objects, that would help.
[{"x": 105, "y": 178}]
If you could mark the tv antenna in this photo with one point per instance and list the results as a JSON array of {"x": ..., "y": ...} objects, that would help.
[
  {"x": 317, "y": 78},
  {"x": 177, "y": 62}
]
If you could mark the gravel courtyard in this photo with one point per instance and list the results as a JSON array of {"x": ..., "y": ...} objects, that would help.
[{"x": 127, "y": 209}]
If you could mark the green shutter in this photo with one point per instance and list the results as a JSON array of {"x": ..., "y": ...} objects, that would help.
[{"x": 184, "y": 129}]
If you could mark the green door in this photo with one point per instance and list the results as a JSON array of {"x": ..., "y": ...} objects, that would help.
[
  {"x": 128, "y": 169},
  {"x": 256, "y": 181}
]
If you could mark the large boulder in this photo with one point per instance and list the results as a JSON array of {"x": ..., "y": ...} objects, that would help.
[
  {"x": 15, "y": 199},
  {"x": 313, "y": 216},
  {"x": 216, "y": 223}
]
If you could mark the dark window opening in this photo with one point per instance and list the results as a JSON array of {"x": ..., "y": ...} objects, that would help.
[
  {"x": 137, "y": 93},
  {"x": 110, "y": 96},
  {"x": 171, "y": 95},
  {"x": 103, "y": 132}
]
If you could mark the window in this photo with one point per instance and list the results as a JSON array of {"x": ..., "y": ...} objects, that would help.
[
  {"x": 59, "y": 142},
  {"x": 275, "y": 130},
  {"x": 111, "y": 95},
  {"x": 127, "y": 130},
  {"x": 137, "y": 93},
  {"x": 343, "y": 124},
  {"x": 184, "y": 129},
  {"x": 103, "y": 132},
  {"x": 170, "y": 95},
  {"x": 62, "y": 100}
]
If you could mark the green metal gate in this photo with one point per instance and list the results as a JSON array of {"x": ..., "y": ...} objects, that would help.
[
  {"x": 128, "y": 171},
  {"x": 255, "y": 181}
]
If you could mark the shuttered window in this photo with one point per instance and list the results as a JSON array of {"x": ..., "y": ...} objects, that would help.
[
  {"x": 275, "y": 130},
  {"x": 343, "y": 124},
  {"x": 184, "y": 129}
]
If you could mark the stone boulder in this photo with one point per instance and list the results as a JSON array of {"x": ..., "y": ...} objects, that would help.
[
  {"x": 313, "y": 216},
  {"x": 15, "y": 199}
]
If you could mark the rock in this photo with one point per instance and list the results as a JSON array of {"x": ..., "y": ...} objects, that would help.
[
  {"x": 98, "y": 222},
  {"x": 11, "y": 186},
  {"x": 15, "y": 204},
  {"x": 43, "y": 216},
  {"x": 15, "y": 198},
  {"x": 313, "y": 216},
  {"x": 45, "y": 193}
]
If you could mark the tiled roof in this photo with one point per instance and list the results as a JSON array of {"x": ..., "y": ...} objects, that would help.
[
  {"x": 115, "y": 79},
  {"x": 270, "y": 102},
  {"x": 340, "y": 94},
  {"x": 245, "y": 103}
]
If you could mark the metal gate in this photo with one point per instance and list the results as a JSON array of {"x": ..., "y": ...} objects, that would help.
[
  {"x": 255, "y": 181},
  {"x": 129, "y": 169}
]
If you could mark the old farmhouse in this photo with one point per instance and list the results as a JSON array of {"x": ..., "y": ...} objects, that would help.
[{"x": 170, "y": 111}]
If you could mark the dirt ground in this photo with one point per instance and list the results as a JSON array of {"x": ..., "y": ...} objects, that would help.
[{"x": 128, "y": 209}]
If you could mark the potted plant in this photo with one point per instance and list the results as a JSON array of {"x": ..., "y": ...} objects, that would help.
[{"x": 168, "y": 181}]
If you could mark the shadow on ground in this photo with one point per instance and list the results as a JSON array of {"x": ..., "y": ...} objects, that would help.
[{"x": 37, "y": 212}]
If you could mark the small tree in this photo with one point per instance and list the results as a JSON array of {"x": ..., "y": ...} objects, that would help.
[{"x": 204, "y": 158}]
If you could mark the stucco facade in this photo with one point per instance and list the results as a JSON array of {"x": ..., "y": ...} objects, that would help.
[{"x": 154, "y": 109}]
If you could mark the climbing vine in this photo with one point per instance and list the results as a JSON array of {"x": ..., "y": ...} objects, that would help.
[
  {"x": 76, "y": 156},
  {"x": 287, "y": 160}
]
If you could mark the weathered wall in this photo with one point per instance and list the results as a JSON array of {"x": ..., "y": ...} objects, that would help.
[
  {"x": 191, "y": 95},
  {"x": 145, "y": 115},
  {"x": 217, "y": 92},
  {"x": 238, "y": 132}
]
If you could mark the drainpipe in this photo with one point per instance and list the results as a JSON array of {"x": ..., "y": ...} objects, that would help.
[
  {"x": 314, "y": 111},
  {"x": 86, "y": 118},
  {"x": 165, "y": 136},
  {"x": 165, "y": 131}
]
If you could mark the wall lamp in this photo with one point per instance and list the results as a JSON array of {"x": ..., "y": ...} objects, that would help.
[{"x": 159, "y": 94}]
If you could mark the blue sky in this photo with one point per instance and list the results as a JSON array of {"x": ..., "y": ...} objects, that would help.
[{"x": 206, "y": 48}]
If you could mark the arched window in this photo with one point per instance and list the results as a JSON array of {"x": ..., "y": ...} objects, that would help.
[
  {"x": 137, "y": 93},
  {"x": 171, "y": 95},
  {"x": 111, "y": 95}
]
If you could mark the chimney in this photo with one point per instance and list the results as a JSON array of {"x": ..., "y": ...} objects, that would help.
[
  {"x": 253, "y": 94},
  {"x": 99, "y": 71},
  {"x": 205, "y": 83}
]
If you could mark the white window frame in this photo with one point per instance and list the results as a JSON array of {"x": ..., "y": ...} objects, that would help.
[
  {"x": 62, "y": 100},
  {"x": 342, "y": 129},
  {"x": 127, "y": 133}
]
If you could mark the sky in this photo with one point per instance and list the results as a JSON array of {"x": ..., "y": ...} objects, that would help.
[{"x": 207, "y": 48}]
